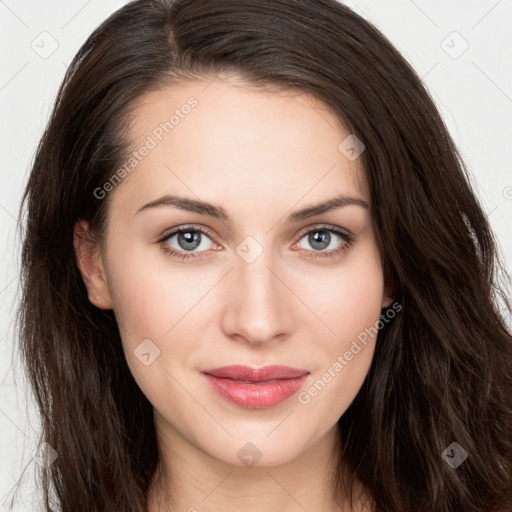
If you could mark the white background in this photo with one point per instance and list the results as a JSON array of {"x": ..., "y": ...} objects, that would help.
[{"x": 473, "y": 92}]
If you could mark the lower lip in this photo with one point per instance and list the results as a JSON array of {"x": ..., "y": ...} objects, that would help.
[{"x": 255, "y": 395}]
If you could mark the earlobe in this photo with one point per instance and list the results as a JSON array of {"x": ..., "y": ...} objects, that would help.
[{"x": 90, "y": 264}]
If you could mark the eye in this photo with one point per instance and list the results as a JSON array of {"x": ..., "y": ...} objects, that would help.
[
  {"x": 193, "y": 242},
  {"x": 185, "y": 242},
  {"x": 326, "y": 241}
]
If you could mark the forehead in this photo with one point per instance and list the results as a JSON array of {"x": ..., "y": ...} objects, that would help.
[{"x": 225, "y": 138}]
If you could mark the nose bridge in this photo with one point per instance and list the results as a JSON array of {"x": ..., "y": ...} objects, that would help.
[
  {"x": 257, "y": 279},
  {"x": 257, "y": 306}
]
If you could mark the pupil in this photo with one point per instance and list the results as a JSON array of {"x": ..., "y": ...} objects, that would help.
[
  {"x": 320, "y": 239},
  {"x": 188, "y": 240}
]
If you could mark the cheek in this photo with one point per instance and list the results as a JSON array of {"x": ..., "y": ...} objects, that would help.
[
  {"x": 151, "y": 304},
  {"x": 138, "y": 303},
  {"x": 350, "y": 299},
  {"x": 351, "y": 305},
  {"x": 149, "y": 295}
]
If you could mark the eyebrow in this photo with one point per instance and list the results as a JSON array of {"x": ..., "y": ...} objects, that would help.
[{"x": 218, "y": 212}]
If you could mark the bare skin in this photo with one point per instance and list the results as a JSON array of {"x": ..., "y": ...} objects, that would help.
[{"x": 261, "y": 156}]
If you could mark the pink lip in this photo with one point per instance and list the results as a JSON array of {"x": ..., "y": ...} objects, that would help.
[{"x": 255, "y": 388}]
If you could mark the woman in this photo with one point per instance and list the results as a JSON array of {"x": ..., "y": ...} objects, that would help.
[{"x": 255, "y": 276}]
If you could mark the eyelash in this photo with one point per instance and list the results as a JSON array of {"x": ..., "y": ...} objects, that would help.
[{"x": 183, "y": 255}]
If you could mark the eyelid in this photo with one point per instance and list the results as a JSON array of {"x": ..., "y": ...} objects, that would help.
[
  {"x": 192, "y": 227},
  {"x": 327, "y": 227}
]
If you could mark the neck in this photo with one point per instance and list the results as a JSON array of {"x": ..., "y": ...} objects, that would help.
[{"x": 188, "y": 479}]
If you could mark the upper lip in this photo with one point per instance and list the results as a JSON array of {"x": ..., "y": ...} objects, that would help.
[{"x": 248, "y": 374}]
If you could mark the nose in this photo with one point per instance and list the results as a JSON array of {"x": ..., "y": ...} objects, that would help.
[{"x": 259, "y": 307}]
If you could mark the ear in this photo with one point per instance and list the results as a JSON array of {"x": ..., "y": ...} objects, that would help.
[
  {"x": 90, "y": 263},
  {"x": 388, "y": 294}
]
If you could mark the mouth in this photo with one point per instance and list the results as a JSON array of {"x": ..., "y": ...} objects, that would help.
[{"x": 255, "y": 388}]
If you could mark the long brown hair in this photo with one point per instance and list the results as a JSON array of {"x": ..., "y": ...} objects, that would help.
[{"x": 442, "y": 370}]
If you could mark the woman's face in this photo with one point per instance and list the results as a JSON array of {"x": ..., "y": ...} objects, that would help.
[{"x": 263, "y": 274}]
